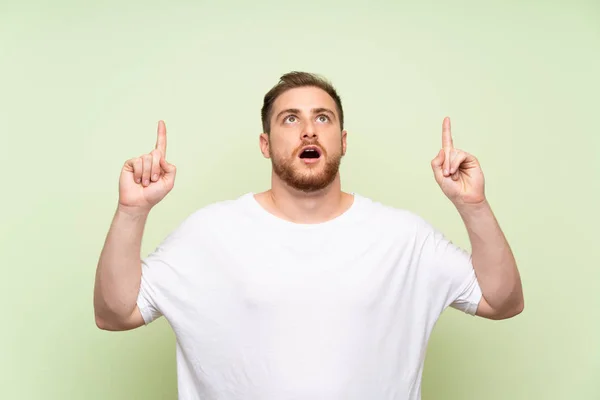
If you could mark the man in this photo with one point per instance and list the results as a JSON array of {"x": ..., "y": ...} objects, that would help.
[{"x": 302, "y": 291}]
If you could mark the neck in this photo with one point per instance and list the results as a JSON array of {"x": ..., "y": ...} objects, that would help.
[{"x": 306, "y": 208}]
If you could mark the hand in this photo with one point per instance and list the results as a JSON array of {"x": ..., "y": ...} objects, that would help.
[
  {"x": 458, "y": 173},
  {"x": 147, "y": 179}
]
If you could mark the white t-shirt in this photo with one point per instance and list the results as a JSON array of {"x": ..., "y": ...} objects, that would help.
[{"x": 266, "y": 309}]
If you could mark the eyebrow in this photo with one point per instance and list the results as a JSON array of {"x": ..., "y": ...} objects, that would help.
[{"x": 297, "y": 111}]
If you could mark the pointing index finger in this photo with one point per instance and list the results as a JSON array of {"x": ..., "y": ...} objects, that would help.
[
  {"x": 447, "y": 135},
  {"x": 161, "y": 138}
]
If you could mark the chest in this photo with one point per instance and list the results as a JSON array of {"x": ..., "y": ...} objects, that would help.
[{"x": 272, "y": 272}]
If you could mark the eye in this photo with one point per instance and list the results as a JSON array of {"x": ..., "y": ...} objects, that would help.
[
  {"x": 323, "y": 118},
  {"x": 290, "y": 119}
]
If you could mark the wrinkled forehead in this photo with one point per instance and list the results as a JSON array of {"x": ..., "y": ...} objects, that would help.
[{"x": 304, "y": 99}]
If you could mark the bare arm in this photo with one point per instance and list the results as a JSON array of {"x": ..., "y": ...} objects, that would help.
[
  {"x": 118, "y": 273},
  {"x": 494, "y": 264},
  {"x": 461, "y": 179},
  {"x": 144, "y": 181}
]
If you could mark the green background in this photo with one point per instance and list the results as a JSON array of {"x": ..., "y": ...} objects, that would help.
[{"x": 83, "y": 85}]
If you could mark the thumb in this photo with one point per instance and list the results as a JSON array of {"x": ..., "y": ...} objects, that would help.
[
  {"x": 437, "y": 164},
  {"x": 168, "y": 168}
]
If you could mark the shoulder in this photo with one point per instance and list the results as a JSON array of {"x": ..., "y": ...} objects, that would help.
[
  {"x": 217, "y": 214},
  {"x": 387, "y": 214},
  {"x": 221, "y": 210}
]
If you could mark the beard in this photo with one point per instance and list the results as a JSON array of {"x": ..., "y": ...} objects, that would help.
[{"x": 307, "y": 178}]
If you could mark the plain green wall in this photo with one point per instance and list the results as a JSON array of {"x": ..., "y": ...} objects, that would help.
[{"x": 83, "y": 85}]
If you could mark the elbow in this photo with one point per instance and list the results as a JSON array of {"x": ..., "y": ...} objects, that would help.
[
  {"x": 99, "y": 319},
  {"x": 107, "y": 325},
  {"x": 516, "y": 309},
  {"x": 515, "y": 305},
  {"x": 104, "y": 320},
  {"x": 109, "y": 321},
  {"x": 101, "y": 322},
  {"x": 519, "y": 303},
  {"x": 105, "y": 317}
]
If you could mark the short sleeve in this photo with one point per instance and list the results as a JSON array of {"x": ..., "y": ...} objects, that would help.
[
  {"x": 468, "y": 296},
  {"x": 161, "y": 272},
  {"x": 148, "y": 300},
  {"x": 452, "y": 278}
]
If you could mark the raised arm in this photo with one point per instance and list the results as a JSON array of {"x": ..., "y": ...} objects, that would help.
[
  {"x": 460, "y": 177},
  {"x": 144, "y": 182}
]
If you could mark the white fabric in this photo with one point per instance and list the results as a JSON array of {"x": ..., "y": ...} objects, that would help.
[{"x": 266, "y": 309}]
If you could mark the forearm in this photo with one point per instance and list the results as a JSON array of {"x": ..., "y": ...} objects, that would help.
[
  {"x": 492, "y": 258},
  {"x": 118, "y": 273}
]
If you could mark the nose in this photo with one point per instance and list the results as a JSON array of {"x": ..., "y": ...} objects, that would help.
[{"x": 309, "y": 131}]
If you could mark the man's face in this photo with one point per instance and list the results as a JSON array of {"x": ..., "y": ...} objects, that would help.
[{"x": 306, "y": 143}]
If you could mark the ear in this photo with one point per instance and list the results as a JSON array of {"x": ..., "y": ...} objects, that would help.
[
  {"x": 264, "y": 145},
  {"x": 344, "y": 134}
]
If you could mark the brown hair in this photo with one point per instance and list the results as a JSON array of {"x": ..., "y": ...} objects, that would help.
[{"x": 292, "y": 80}]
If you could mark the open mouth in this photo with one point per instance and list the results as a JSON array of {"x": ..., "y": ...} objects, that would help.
[{"x": 310, "y": 152}]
